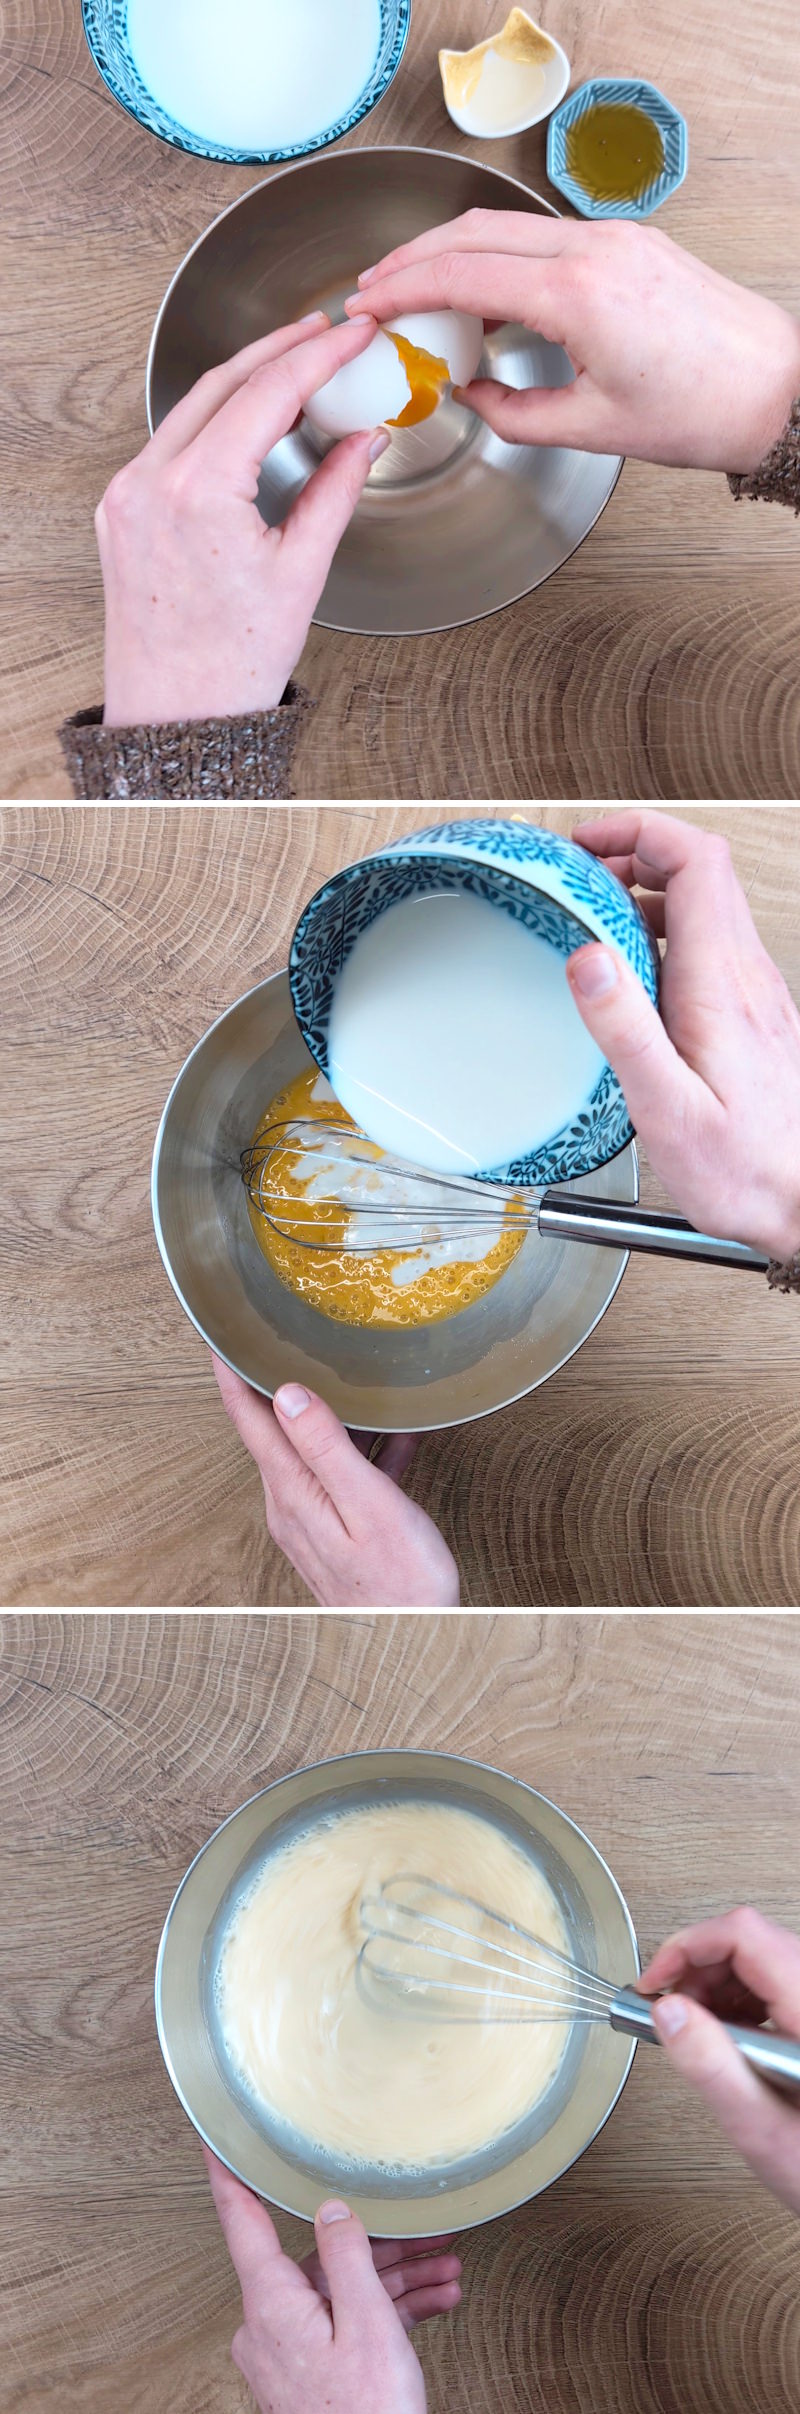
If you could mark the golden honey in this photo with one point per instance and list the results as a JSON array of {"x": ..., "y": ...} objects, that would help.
[{"x": 614, "y": 151}]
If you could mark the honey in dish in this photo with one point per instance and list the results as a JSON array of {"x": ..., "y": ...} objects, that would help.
[
  {"x": 390, "y": 1287},
  {"x": 614, "y": 151},
  {"x": 379, "y": 2085}
]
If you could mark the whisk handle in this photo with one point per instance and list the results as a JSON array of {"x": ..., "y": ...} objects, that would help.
[
  {"x": 775, "y": 2058},
  {"x": 563, "y": 1215}
]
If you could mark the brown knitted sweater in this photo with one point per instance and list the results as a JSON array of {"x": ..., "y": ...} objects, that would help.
[
  {"x": 247, "y": 757},
  {"x": 784, "y": 1278},
  {"x": 777, "y": 479}
]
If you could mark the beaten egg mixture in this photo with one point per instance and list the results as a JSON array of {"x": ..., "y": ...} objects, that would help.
[
  {"x": 384, "y": 1287},
  {"x": 381, "y": 2085}
]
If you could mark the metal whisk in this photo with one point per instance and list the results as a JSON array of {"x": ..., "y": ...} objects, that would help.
[
  {"x": 385, "y": 1203},
  {"x": 433, "y": 1953}
]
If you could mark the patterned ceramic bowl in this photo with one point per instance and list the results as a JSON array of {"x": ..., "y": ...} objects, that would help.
[
  {"x": 631, "y": 93},
  {"x": 558, "y": 891},
  {"x": 105, "y": 24}
]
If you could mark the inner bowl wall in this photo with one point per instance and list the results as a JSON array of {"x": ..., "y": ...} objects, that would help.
[
  {"x": 407, "y": 1380},
  {"x": 217, "y": 2109}
]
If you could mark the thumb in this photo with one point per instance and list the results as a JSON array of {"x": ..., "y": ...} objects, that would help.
[
  {"x": 703, "y": 2054},
  {"x": 323, "y": 1443},
  {"x": 346, "y": 2257},
  {"x": 318, "y": 519},
  {"x": 528, "y": 414},
  {"x": 661, "y": 1092}
]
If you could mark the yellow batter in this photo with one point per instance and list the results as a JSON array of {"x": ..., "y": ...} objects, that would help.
[
  {"x": 372, "y": 2085},
  {"x": 387, "y": 1287}
]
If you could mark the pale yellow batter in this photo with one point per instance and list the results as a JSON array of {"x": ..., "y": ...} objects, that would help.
[{"x": 370, "y": 2085}]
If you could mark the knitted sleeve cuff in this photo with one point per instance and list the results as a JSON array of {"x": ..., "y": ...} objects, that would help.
[
  {"x": 777, "y": 479},
  {"x": 784, "y": 1278},
  {"x": 244, "y": 758}
]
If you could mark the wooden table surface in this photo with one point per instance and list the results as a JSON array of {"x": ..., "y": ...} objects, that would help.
[
  {"x": 659, "y": 1467},
  {"x": 655, "y": 2278},
  {"x": 660, "y": 662}
]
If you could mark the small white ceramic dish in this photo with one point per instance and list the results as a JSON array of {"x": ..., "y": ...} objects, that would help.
[{"x": 557, "y": 72}]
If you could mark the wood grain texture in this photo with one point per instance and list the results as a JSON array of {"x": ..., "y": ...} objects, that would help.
[
  {"x": 655, "y": 2278},
  {"x": 660, "y": 662},
  {"x": 660, "y": 1466}
]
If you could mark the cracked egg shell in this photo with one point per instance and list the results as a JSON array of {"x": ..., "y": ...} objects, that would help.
[{"x": 377, "y": 387}]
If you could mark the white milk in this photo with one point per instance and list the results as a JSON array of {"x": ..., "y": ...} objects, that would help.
[
  {"x": 257, "y": 75},
  {"x": 375, "y": 1195},
  {"x": 453, "y": 1037}
]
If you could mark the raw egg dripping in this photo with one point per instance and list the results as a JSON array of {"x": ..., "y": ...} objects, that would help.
[{"x": 427, "y": 377}]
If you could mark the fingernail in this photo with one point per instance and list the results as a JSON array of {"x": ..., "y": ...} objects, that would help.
[
  {"x": 672, "y": 2014},
  {"x": 357, "y": 316},
  {"x": 310, "y": 317},
  {"x": 379, "y": 443},
  {"x": 595, "y": 973},
  {"x": 335, "y": 2211},
  {"x": 291, "y": 1399},
  {"x": 367, "y": 274}
]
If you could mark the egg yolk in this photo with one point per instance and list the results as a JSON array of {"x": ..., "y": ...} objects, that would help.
[
  {"x": 356, "y": 1289},
  {"x": 427, "y": 378}
]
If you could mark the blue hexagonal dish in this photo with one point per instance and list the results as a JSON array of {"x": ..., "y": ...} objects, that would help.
[{"x": 632, "y": 94}]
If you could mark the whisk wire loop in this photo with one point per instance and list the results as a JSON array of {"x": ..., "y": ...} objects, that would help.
[
  {"x": 382, "y": 1201},
  {"x": 426, "y": 1956}
]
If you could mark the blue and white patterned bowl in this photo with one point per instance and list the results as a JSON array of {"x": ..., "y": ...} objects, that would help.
[
  {"x": 105, "y": 24},
  {"x": 557, "y": 890},
  {"x": 631, "y": 93}
]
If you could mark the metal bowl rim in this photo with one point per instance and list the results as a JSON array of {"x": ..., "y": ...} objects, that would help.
[
  {"x": 301, "y": 166},
  {"x": 373, "y": 150},
  {"x": 343, "y": 1760}
]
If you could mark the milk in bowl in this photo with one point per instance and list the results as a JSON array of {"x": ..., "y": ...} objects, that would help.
[{"x": 430, "y": 984}]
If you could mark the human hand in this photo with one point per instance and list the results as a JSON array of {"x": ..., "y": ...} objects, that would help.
[
  {"x": 342, "y": 2345},
  {"x": 207, "y": 610},
  {"x": 342, "y": 1522},
  {"x": 745, "y": 1969},
  {"x": 419, "y": 2275},
  {"x": 672, "y": 362},
  {"x": 713, "y": 1083}
]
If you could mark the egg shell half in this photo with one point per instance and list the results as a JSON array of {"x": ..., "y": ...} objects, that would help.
[
  {"x": 374, "y": 388},
  {"x": 451, "y": 335},
  {"x": 363, "y": 393}
]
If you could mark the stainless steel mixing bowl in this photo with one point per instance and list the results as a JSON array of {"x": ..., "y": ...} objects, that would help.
[
  {"x": 410, "y": 1380},
  {"x": 435, "y": 541},
  {"x": 509, "y": 2169}
]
